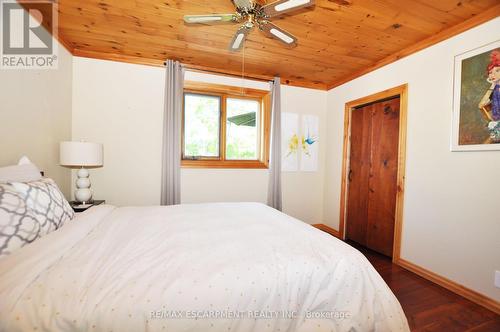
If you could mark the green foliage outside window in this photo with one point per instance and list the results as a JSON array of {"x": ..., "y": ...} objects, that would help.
[{"x": 202, "y": 115}]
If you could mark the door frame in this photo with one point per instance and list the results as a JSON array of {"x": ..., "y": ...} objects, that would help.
[{"x": 402, "y": 92}]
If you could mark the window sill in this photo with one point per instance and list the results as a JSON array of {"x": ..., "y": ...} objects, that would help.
[{"x": 237, "y": 164}]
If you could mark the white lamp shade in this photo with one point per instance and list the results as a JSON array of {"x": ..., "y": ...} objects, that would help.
[{"x": 82, "y": 154}]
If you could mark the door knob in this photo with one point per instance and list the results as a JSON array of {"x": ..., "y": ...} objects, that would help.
[{"x": 350, "y": 175}]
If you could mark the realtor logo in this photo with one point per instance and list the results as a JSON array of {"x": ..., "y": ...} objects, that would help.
[{"x": 26, "y": 43}]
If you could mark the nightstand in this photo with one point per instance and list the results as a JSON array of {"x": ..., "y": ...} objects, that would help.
[{"x": 77, "y": 207}]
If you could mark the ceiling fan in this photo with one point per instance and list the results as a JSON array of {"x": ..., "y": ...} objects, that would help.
[{"x": 253, "y": 14}]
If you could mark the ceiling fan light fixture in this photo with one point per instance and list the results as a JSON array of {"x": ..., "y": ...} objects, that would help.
[
  {"x": 198, "y": 19},
  {"x": 237, "y": 41},
  {"x": 290, "y": 4},
  {"x": 282, "y": 36},
  {"x": 255, "y": 13}
]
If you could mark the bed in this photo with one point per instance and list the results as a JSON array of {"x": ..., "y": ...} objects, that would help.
[{"x": 200, "y": 267}]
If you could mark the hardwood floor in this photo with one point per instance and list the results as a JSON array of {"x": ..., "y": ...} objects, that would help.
[{"x": 430, "y": 307}]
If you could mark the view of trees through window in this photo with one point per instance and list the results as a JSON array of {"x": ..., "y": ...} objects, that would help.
[
  {"x": 201, "y": 125},
  {"x": 202, "y": 121},
  {"x": 241, "y": 129}
]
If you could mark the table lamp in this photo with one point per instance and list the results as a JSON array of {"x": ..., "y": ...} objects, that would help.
[{"x": 83, "y": 155}]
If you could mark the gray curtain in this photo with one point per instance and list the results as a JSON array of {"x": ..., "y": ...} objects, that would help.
[
  {"x": 171, "y": 152},
  {"x": 274, "y": 188}
]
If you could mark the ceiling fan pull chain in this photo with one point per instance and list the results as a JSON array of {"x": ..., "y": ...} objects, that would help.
[{"x": 243, "y": 70}]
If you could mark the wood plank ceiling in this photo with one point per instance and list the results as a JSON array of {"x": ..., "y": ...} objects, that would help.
[{"x": 338, "y": 39}]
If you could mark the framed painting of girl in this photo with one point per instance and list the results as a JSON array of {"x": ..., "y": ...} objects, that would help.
[{"x": 476, "y": 102}]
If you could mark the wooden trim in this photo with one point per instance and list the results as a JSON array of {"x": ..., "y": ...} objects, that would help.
[
  {"x": 345, "y": 161},
  {"x": 203, "y": 69},
  {"x": 401, "y": 176},
  {"x": 402, "y": 92},
  {"x": 345, "y": 165},
  {"x": 474, "y": 21},
  {"x": 224, "y": 92},
  {"x": 222, "y": 127},
  {"x": 328, "y": 229},
  {"x": 224, "y": 89},
  {"x": 456, "y": 288},
  {"x": 207, "y": 163},
  {"x": 118, "y": 57},
  {"x": 392, "y": 92}
]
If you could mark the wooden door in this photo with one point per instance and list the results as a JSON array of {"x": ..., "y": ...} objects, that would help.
[
  {"x": 382, "y": 185},
  {"x": 371, "y": 203},
  {"x": 357, "y": 211}
]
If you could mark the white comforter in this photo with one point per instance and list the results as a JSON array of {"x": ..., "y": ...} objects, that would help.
[{"x": 208, "y": 267}]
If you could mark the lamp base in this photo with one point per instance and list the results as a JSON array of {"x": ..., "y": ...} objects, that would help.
[{"x": 83, "y": 194}]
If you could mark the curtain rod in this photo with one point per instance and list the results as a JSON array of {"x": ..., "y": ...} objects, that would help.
[{"x": 210, "y": 71}]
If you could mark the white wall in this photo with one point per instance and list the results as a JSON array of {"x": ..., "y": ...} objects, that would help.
[
  {"x": 35, "y": 115},
  {"x": 451, "y": 219},
  {"x": 121, "y": 106}
]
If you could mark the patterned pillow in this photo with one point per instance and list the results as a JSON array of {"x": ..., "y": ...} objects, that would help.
[
  {"x": 46, "y": 203},
  {"x": 18, "y": 226}
]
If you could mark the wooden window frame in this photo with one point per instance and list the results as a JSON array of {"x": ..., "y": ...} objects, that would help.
[{"x": 225, "y": 92}]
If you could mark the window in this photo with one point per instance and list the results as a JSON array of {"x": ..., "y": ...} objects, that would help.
[
  {"x": 201, "y": 125},
  {"x": 223, "y": 128}
]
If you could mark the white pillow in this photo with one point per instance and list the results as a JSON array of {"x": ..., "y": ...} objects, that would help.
[
  {"x": 19, "y": 173},
  {"x": 46, "y": 203},
  {"x": 29, "y": 211},
  {"x": 18, "y": 226}
]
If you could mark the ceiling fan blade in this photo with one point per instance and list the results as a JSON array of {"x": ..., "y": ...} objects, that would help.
[
  {"x": 211, "y": 18},
  {"x": 276, "y": 32},
  {"x": 285, "y": 6},
  {"x": 243, "y": 4},
  {"x": 239, "y": 38}
]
